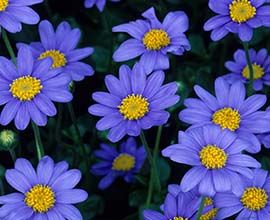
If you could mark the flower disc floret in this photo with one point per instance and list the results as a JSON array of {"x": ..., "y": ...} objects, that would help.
[
  {"x": 124, "y": 162},
  {"x": 25, "y": 88},
  {"x": 59, "y": 59},
  {"x": 258, "y": 72},
  {"x": 209, "y": 215},
  {"x": 254, "y": 198},
  {"x": 156, "y": 39},
  {"x": 179, "y": 218},
  {"x": 241, "y": 11},
  {"x": 40, "y": 198},
  {"x": 212, "y": 157},
  {"x": 134, "y": 107},
  {"x": 227, "y": 118},
  {"x": 3, "y": 5}
]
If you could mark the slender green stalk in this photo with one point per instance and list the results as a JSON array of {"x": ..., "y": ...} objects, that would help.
[
  {"x": 48, "y": 8},
  {"x": 150, "y": 189},
  {"x": 58, "y": 123},
  {"x": 107, "y": 25},
  {"x": 8, "y": 45},
  {"x": 79, "y": 137},
  {"x": 12, "y": 154},
  {"x": 145, "y": 144},
  {"x": 155, "y": 157},
  {"x": 39, "y": 145},
  {"x": 199, "y": 214},
  {"x": 154, "y": 178},
  {"x": 250, "y": 67},
  {"x": 157, "y": 143}
]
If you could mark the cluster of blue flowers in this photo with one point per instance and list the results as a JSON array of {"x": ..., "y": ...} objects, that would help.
[{"x": 223, "y": 179}]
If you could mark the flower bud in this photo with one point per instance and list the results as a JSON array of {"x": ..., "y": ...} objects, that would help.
[{"x": 8, "y": 140}]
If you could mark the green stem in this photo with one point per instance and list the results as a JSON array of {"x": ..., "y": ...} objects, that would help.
[
  {"x": 145, "y": 144},
  {"x": 8, "y": 45},
  {"x": 107, "y": 25},
  {"x": 12, "y": 154},
  {"x": 48, "y": 8},
  {"x": 157, "y": 143},
  {"x": 150, "y": 189},
  {"x": 199, "y": 213},
  {"x": 58, "y": 123},
  {"x": 250, "y": 67},
  {"x": 154, "y": 178},
  {"x": 39, "y": 145},
  {"x": 77, "y": 130}
]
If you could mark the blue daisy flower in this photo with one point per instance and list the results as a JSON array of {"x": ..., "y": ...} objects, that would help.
[
  {"x": 237, "y": 16},
  {"x": 252, "y": 199},
  {"x": 125, "y": 163},
  {"x": 239, "y": 70},
  {"x": 265, "y": 137},
  {"x": 134, "y": 102},
  {"x": 230, "y": 110},
  {"x": 45, "y": 193},
  {"x": 99, "y": 3},
  {"x": 15, "y": 12},
  {"x": 209, "y": 211},
  {"x": 216, "y": 157},
  {"x": 175, "y": 207},
  {"x": 152, "y": 40},
  {"x": 28, "y": 89},
  {"x": 60, "y": 46}
]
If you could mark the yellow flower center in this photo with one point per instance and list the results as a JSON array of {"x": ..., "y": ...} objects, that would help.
[
  {"x": 179, "y": 218},
  {"x": 258, "y": 72},
  {"x": 208, "y": 201},
  {"x": 227, "y": 118},
  {"x": 40, "y": 198},
  {"x": 25, "y": 88},
  {"x": 209, "y": 215},
  {"x": 59, "y": 59},
  {"x": 213, "y": 157},
  {"x": 241, "y": 10},
  {"x": 134, "y": 107},
  {"x": 124, "y": 162},
  {"x": 254, "y": 198},
  {"x": 156, "y": 39},
  {"x": 3, "y": 5}
]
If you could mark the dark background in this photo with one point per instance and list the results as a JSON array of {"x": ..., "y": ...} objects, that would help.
[{"x": 199, "y": 66}]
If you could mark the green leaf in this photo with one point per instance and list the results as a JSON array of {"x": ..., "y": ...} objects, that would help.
[
  {"x": 265, "y": 161},
  {"x": 137, "y": 198},
  {"x": 92, "y": 207},
  {"x": 164, "y": 170},
  {"x": 197, "y": 45}
]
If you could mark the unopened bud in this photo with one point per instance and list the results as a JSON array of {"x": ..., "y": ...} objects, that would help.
[{"x": 8, "y": 140}]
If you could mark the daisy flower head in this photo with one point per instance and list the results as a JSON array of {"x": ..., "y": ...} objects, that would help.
[
  {"x": 134, "y": 102},
  {"x": 252, "y": 201},
  {"x": 15, "y": 12},
  {"x": 209, "y": 211},
  {"x": 237, "y": 16},
  {"x": 215, "y": 155},
  {"x": 239, "y": 70},
  {"x": 265, "y": 137},
  {"x": 175, "y": 208},
  {"x": 99, "y": 3},
  {"x": 45, "y": 193},
  {"x": 152, "y": 40},
  {"x": 28, "y": 89},
  {"x": 60, "y": 46},
  {"x": 230, "y": 110},
  {"x": 123, "y": 163}
]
